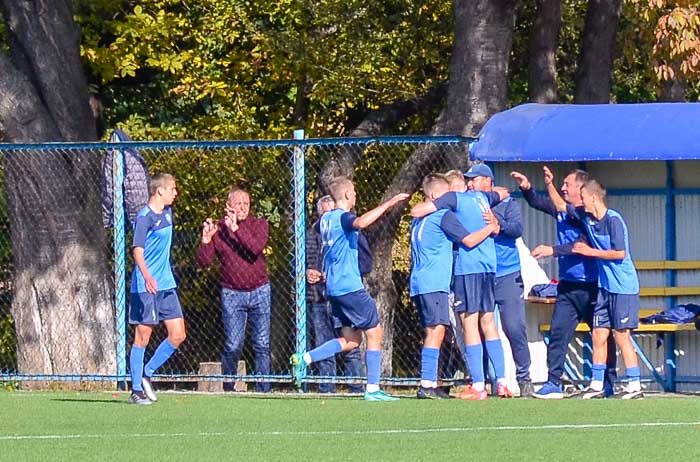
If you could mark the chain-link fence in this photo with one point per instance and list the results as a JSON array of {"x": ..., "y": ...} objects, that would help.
[{"x": 65, "y": 278}]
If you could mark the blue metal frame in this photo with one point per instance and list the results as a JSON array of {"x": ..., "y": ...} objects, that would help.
[
  {"x": 119, "y": 245},
  {"x": 299, "y": 183}
]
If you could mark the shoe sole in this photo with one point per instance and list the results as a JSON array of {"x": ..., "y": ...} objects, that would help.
[{"x": 549, "y": 396}]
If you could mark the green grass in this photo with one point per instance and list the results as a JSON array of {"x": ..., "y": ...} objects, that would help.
[{"x": 192, "y": 427}]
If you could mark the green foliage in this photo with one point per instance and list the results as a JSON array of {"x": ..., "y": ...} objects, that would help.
[
  {"x": 8, "y": 341},
  {"x": 215, "y": 70}
]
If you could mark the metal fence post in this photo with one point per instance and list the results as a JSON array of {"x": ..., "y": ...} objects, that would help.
[
  {"x": 119, "y": 262},
  {"x": 300, "y": 242}
]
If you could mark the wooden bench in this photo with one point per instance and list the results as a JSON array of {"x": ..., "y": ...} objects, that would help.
[{"x": 667, "y": 330}]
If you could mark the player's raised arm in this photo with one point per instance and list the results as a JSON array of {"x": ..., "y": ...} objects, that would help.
[
  {"x": 373, "y": 215},
  {"x": 554, "y": 195}
]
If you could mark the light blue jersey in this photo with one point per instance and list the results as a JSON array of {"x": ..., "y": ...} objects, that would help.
[
  {"x": 431, "y": 251},
  {"x": 340, "y": 250},
  {"x": 153, "y": 232},
  {"x": 610, "y": 233},
  {"x": 469, "y": 207}
]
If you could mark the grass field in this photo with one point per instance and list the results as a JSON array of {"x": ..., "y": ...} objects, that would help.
[{"x": 191, "y": 427}]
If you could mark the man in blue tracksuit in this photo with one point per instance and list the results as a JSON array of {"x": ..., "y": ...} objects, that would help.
[
  {"x": 508, "y": 287},
  {"x": 578, "y": 283}
]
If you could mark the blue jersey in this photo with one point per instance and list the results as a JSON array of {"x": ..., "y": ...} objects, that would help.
[
  {"x": 431, "y": 251},
  {"x": 574, "y": 268},
  {"x": 511, "y": 221},
  {"x": 610, "y": 233},
  {"x": 340, "y": 249},
  {"x": 153, "y": 232},
  {"x": 469, "y": 207}
]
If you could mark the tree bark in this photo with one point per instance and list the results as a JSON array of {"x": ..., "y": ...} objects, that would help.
[
  {"x": 594, "y": 72},
  {"x": 544, "y": 38},
  {"x": 62, "y": 305},
  {"x": 673, "y": 91},
  {"x": 477, "y": 89}
]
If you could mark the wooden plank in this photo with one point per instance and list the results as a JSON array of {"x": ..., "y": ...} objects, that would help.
[
  {"x": 541, "y": 300},
  {"x": 667, "y": 265},
  {"x": 652, "y": 292},
  {"x": 669, "y": 291},
  {"x": 643, "y": 328}
]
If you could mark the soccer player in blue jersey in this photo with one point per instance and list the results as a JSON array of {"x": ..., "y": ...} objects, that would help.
[
  {"x": 153, "y": 296},
  {"x": 617, "y": 306},
  {"x": 577, "y": 290},
  {"x": 475, "y": 270},
  {"x": 349, "y": 300},
  {"x": 508, "y": 286},
  {"x": 431, "y": 271}
]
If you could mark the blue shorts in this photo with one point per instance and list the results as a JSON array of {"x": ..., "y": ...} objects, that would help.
[
  {"x": 616, "y": 311},
  {"x": 474, "y": 293},
  {"x": 433, "y": 308},
  {"x": 356, "y": 310},
  {"x": 151, "y": 309}
]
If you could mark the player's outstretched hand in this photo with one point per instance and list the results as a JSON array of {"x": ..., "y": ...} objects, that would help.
[
  {"x": 398, "y": 198},
  {"x": 522, "y": 180},
  {"x": 582, "y": 248},
  {"x": 542, "y": 251}
]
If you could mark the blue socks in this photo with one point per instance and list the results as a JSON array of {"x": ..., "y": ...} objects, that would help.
[
  {"x": 136, "y": 367},
  {"x": 633, "y": 374},
  {"x": 164, "y": 351},
  {"x": 429, "y": 364},
  {"x": 495, "y": 351},
  {"x": 328, "y": 349},
  {"x": 475, "y": 360},
  {"x": 373, "y": 358}
]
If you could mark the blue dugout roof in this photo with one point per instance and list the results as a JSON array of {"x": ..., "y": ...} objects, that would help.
[{"x": 563, "y": 132}]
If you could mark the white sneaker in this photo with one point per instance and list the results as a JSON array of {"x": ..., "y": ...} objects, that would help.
[
  {"x": 590, "y": 393},
  {"x": 148, "y": 389},
  {"x": 632, "y": 394}
]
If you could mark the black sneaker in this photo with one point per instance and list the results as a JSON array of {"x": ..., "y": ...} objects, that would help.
[
  {"x": 148, "y": 389},
  {"x": 526, "y": 389},
  {"x": 443, "y": 392},
  {"x": 140, "y": 398},
  {"x": 428, "y": 393}
]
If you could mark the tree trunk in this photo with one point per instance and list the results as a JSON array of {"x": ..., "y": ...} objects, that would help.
[
  {"x": 673, "y": 91},
  {"x": 62, "y": 305},
  {"x": 478, "y": 84},
  {"x": 594, "y": 72},
  {"x": 542, "y": 69}
]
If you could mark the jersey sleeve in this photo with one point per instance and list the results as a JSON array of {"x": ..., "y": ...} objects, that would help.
[
  {"x": 452, "y": 227},
  {"x": 346, "y": 221},
  {"x": 493, "y": 197},
  {"x": 539, "y": 202},
  {"x": 617, "y": 234},
  {"x": 141, "y": 227},
  {"x": 447, "y": 201}
]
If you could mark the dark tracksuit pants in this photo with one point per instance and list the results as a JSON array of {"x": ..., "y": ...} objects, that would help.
[
  {"x": 575, "y": 302},
  {"x": 511, "y": 306}
]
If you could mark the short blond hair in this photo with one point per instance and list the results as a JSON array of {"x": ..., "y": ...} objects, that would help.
[
  {"x": 455, "y": 176},
  {"x": 430, "y": 182},
  {"x": 159, "y": 180},
  {"x": 595, "y": 188},
  {"x": 338, "y": 187}
]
